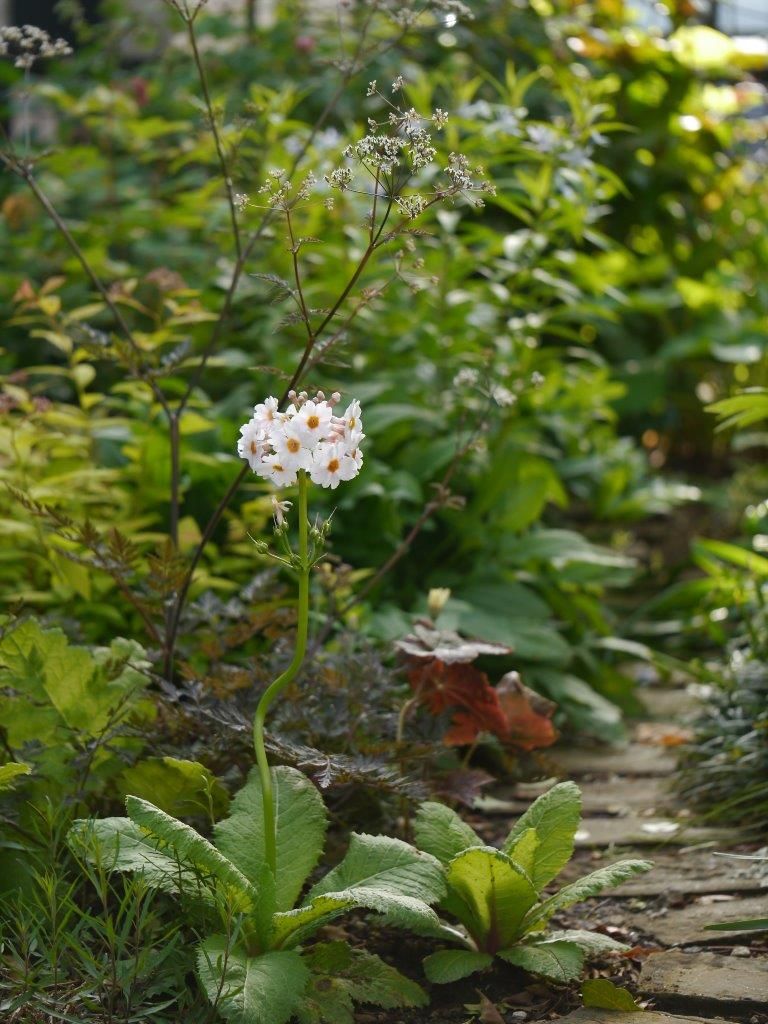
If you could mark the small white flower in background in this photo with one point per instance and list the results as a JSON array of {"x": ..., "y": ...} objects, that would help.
[{"x": 307, "y": 436}]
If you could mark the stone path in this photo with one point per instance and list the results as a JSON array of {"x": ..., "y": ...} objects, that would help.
[{"x": 689, "y": 975}]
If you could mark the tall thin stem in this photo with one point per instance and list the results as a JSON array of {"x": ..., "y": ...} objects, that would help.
[{"x": 276, "y": 688}]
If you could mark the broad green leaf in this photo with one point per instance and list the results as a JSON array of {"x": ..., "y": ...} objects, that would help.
[
  {"x": 555, "y": 816},
  {"x": 593, "y": 943},
  {"x": 385, "y": 864},
  {"x": 585, "y": 888},
  {"x": 176, "y": 786},
  {"x": 341, "y": 977},
  {"x": 602, "y": 994},
  {"x": 120, "y": 845},
  {"x": 495, "y": 892},
  {"x": 557, "y": 961},
  {"x": 523, "y": 853},
  {"x": 188, "y": 848},
  {"x": 294, "y": 926},
  {"x": 452, "y": 964},
  {"x": 10, "y": 771},
  {"x": 300, "y": 826},
  {"x": 246, "y": 989},
  {"x": 439, "y": 830}
]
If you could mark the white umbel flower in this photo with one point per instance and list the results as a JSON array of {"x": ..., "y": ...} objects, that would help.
[
  {"x": 331, "y": 464},
  {"x": 289, "y": 448},
  {"x": 272, "y": 469},
  {"x": 266, "y": 415},
  {"x": 306, "y": 437},
  {"x": 312, "y": 422},
  {"x": 251, "y": 446}
]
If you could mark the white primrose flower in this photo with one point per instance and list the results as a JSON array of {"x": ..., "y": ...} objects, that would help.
[
  {"x": 306, "y": 437},
  {"x": 251, "y": 444},
  {"x": 290, "y": 450},
  {"x": 331, "y": 463},
  {"x": 271, "y": 468},
  {"x": 267, "y": 416},
  {"x": 312, "y": 422},
  {"x": 352, "y": 425}
]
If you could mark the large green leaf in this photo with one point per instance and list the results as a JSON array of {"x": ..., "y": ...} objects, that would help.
[
  {"x": 495, "y": 892},
  {"x": 439, "y": 830},
  {"x": 593, "y": 943},
  {"x": 585, "y": 888},
  {"x": 453, "y": 964},
  {"x": 300, "y": 832},
  {"x": 378, "y": 873},
  {"x": 555, "y": 816},
  {"x": 120, "y": 845},
  {"x": 189, "y": 849},
  {"x": 557, "y": 961},
  {"x": 292, "y": 927},
  {"x": 385, "y": 864},
  {"x": 342, "y": 977},
  {"x": 246, "y": 989}
]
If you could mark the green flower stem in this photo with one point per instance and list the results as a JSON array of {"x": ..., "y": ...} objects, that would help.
[{"x": 276, "y": 688}]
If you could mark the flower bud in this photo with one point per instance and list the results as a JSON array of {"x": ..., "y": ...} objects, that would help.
[{"x": 436, "y": 600}]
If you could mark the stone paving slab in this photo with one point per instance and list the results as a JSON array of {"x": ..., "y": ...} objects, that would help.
[
  {"x": 686, "y": 926},
  {"x": 587, "y": 1015},
  {"x": 636, "y": 759},
  {"x": 636, "y": 831},
  {"x": 613, "y": 797},
  {"x": 669, "y": 704},
  {"x": 706, "y": 978}
]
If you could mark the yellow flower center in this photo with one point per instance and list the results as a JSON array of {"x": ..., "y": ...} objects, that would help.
[
  {"x": 313, "y": 422},
  {"x": 293, "y": 445},
  {"x": 333, "y": 466}
]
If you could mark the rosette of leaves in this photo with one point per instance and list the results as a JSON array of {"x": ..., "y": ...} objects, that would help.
[
  {"x": 497, "y": 895},
  {"x": 253, "y": 962}
]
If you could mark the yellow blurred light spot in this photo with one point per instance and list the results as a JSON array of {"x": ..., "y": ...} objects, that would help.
[{"x": 645, "y": 157}]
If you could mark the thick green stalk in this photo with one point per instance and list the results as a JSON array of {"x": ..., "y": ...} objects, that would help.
[{"x": 276, "y": 688}]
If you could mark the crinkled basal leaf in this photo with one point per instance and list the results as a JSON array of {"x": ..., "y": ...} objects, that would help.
[
  {"x": 593, "y": 943},
  {"x": 558, "y": 961},
  {"x": 342, "y": 976},
  {"x": 385, "y": 864},
  {"x": 555, "y": 816},
  {"x": 584, "y": 888},
  {"x": 452, "y": 964},
  {"x": 524, "y": 852},
  {"x": 10, "y": 771},
  {"x": 190, "y": 849},
  {"x": 300, "y": 821},
  {"x": 295, "y": 926},
  {"x": 496, "y": 893},
  {"x": 439, "y": 830},
  {"x": 122, "y": 846},
  {"x": 246, "y": 989}
]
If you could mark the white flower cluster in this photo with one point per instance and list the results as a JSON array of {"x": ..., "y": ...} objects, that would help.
[
  {"x": 28, "y": 43},
  {"x": 306, "y": 436}
]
